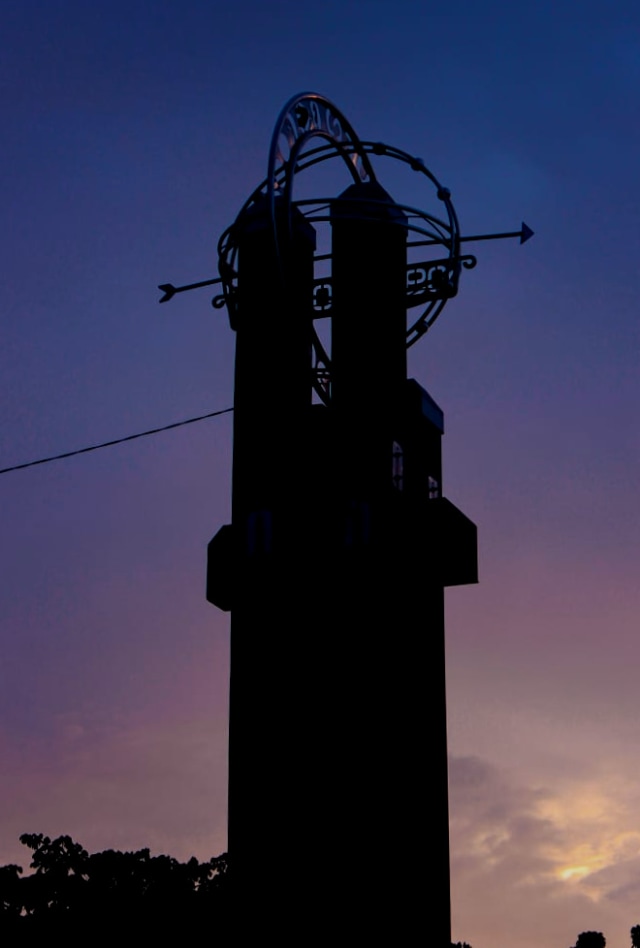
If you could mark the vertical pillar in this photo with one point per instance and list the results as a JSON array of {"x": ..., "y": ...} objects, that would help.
[{"x": 270, "y": 460}]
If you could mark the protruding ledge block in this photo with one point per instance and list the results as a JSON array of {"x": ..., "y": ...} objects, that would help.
[
  {"x": 452, "y": 539},
  {"x": 221, "y": 568}
]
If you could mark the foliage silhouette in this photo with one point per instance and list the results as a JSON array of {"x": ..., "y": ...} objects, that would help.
[
  {"x": 129, "y": 895},
  {"x": 635, "y": 936},
  {"x": 591, "y": 940}
]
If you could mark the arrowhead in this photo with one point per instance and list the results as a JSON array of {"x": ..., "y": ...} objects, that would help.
[
  {"x": 525, "y": 234},
  {"x": 168, "y": 289}
]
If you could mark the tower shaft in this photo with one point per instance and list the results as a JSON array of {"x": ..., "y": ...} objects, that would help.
[{"x": 334, "y": 569}]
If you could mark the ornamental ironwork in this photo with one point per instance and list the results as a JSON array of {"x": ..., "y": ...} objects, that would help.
[{"x": 310, "y": 130}]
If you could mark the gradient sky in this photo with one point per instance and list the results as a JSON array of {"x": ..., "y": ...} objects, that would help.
[{"x": 132, "y": 134}]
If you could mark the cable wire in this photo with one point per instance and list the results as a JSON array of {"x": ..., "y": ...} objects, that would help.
[{"x": 109, "y": 444}]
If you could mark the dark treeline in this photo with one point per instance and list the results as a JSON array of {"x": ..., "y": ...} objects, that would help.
[
  {"x": 132, "y": 897},
  {"x": 89, "y": 899}
]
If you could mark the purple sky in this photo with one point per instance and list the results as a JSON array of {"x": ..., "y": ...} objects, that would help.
[{"x": 132, "y": 134}]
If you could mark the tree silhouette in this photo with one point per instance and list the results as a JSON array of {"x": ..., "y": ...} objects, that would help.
[
  {"x": 635, "y": 936},
  {"x": 591, "y": 940},
  {"x": 128, "y": 896}
]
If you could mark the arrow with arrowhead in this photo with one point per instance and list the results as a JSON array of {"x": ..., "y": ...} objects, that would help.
[
  {"x": 170, "y": 290},
  {"x": 525, "y": 233}
]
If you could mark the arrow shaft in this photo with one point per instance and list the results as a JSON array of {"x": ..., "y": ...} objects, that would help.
[
  {"x": 511, "y": 233},
  {"x": 431, "y": 243},
  {"x": 196, "y": 286},
  {"x": 525, "y": 233}
]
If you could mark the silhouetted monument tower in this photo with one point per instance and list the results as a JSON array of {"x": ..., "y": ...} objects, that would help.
[{"x": 340, "y": 546}]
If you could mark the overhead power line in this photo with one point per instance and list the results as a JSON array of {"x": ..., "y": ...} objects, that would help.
[{"x": 109, "y": 444}]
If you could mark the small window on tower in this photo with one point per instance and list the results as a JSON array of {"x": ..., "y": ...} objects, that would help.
[
  {"x": 397, "y": 466},
  {"x": 433, "y": 488}
]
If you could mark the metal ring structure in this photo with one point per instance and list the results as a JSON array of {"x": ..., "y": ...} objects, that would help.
[{"x": 305, "y": 118}]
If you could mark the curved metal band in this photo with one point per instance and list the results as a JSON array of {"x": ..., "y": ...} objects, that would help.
[{"x": 307, "y": 115}]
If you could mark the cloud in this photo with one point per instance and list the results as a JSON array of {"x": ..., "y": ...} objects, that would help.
[
  {"x": 497, "y": 825},
  {"x": 531, "y": 866}
]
